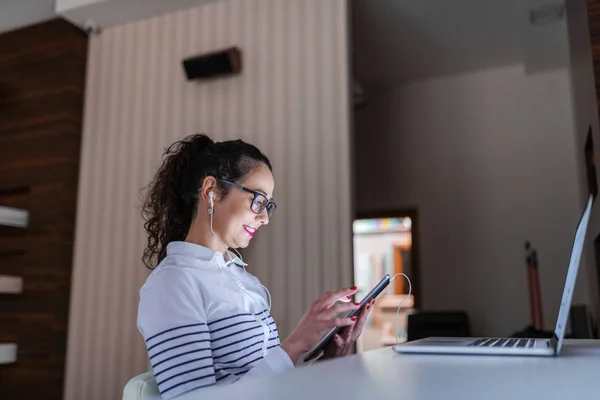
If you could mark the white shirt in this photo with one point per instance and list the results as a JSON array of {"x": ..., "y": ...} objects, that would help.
[{"x": 206, "y": 322}]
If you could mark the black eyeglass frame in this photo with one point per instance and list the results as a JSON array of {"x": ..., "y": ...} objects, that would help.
[{"x": 269, "y": 205}]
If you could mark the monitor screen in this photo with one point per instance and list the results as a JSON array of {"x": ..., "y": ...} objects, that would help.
[{"x": 590, "y": 164}]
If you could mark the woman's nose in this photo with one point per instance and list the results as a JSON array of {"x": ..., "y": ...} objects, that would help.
[{"x": 263, "y": 217}]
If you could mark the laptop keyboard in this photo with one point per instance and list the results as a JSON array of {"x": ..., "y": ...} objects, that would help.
[{"x": 496, "y": 342}]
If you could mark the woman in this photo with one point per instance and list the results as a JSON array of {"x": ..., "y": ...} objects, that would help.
[{"x": 205, "y": 319}]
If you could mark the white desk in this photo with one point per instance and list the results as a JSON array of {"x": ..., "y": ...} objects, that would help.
[{"x": 384, "y": 374}]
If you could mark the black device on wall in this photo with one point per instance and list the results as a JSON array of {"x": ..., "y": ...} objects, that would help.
[{"x": 219, "y": 63}]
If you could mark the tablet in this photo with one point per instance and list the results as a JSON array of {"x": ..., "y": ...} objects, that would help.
[{"x": 327, "y": 339}]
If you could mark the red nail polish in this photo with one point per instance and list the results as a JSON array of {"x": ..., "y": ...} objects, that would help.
[
  {"x": 357, "y": 304},
  {"x": 369, "y": 306},
  {"x": 353, "y": 318},
  {"x": 349, "y": 298},
  {"x": 353, "y": 288}
]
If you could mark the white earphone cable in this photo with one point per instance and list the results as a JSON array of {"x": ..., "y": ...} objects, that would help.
[
  {"x": 401, "y": 304},
  {"x": 210, "y": 212},
  {"x": 263, "y": 286}
]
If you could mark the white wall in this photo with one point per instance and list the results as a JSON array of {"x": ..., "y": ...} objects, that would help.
[
  {"x": 292, "y": 101},
  {"x": 488, "y": 159}
]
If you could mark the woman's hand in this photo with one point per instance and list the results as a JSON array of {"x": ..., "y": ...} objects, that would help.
[
  {"x": 319, "y": 318},
  {"x": 342, "y": 342}
]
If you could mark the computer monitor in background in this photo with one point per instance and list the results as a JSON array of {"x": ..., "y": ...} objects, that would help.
[{"x": 590, "y": 164}]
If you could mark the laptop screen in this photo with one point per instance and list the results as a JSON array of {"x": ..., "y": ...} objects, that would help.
[{"x": 565, "y": 304}]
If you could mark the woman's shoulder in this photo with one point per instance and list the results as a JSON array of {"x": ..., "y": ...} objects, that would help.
[
  {"x": 172, "y": 295},
  {"x": 174, "y": 274}
]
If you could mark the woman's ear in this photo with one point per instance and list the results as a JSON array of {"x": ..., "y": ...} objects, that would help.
[{"x": 209, "y": 185}]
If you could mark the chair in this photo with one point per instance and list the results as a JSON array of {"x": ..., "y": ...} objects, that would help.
[
  {"x": 426, "y": 324},
  {"x": 142, "y": 387}
]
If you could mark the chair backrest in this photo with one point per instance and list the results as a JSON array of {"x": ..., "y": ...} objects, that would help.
[
  {"x": 142, "y": 387},
  {"x": 425, "y": 324}
]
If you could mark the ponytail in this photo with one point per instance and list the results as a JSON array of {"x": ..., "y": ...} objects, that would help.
[{"x": 171, "y": 198}]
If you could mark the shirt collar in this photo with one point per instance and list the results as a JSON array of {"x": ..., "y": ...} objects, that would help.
[
  {"x": 199, "y": 252},
  {"x": 191, "y": 250}
]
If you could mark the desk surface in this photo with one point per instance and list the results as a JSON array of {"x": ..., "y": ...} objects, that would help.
[{"x": 384, "y": 374}]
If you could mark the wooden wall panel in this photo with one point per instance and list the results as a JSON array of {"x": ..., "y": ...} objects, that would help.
[{"x": 42, "y": 78}]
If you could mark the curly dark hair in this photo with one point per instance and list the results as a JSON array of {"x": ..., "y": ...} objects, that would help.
[{"x": 171, "y": 198}]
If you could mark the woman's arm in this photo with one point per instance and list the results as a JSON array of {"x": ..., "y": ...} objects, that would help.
[{"x": 173, "y": 322}]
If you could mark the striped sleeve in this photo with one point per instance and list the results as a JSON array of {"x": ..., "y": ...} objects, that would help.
[
  {"x": 172, "y": 320},
  {"x": 238, "y": 343}
]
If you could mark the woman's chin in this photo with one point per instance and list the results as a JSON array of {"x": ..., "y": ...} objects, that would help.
[{"x": 240, "y": 244}]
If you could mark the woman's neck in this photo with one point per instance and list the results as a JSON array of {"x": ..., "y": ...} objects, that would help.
[{"x": 201, "y": 234}]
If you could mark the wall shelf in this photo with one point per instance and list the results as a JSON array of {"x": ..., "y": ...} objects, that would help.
[
  {"x": 8, "y": 353},
  {"x": 11, "y": 284},
  {"x": 16, "y": 217}
]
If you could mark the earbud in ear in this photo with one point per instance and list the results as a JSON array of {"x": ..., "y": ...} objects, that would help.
[{"x": 211, "y": 195}]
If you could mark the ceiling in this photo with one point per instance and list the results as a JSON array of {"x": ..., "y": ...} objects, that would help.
[
  {"x": 18, "y": 13},
  {"x": 395, "y": 41},
  {"x": 104, "y": 13}
]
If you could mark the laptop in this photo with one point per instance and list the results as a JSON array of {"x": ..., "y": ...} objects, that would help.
[{"x": 514, "y": 346}]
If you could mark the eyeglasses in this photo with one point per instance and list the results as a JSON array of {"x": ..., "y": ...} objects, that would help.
[{"x": 259, "y": 202}]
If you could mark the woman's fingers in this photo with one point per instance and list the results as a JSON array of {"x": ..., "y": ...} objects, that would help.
[
  {"x": 339, "y": 342},
  {"x": 339, "y": 308},
  {"x": 348, "y": 334},
  {"x": 341, "y": 322},
  {"x": 330, "y": 298},
  {"x": 352, "y": 327},
  {"x": 360, "y": 322}
]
